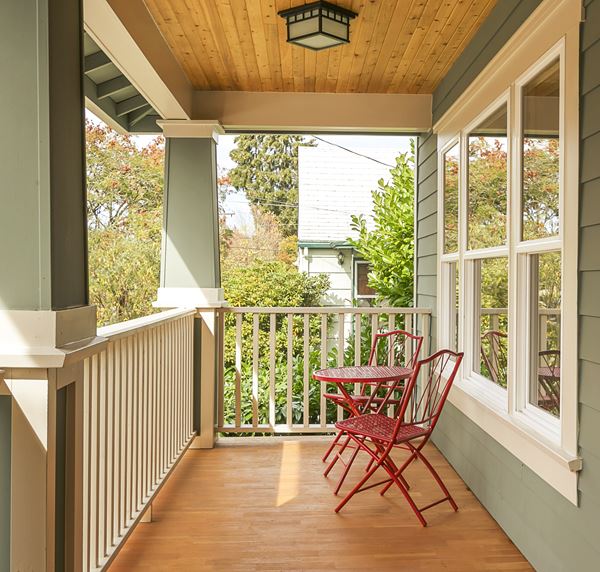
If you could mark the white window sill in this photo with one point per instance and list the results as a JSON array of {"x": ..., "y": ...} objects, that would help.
[{"x": 516, "y": 433}]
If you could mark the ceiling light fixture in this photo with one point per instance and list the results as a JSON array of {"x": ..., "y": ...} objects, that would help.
[{"x": 318, "y": 25}]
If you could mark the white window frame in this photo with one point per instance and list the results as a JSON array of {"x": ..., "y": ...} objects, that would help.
[{"x": 545, "y": 444}]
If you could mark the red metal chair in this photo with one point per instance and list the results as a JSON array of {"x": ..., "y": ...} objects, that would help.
[
  {"x": 397, "y": 347},
  {"x": 549, "y": 381},
  {"x": 494, "y": 356},
  {"x": 377, "y": 435}
]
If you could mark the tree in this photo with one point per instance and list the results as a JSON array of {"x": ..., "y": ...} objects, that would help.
[
  {"x": 267, "y": 171},
  {"x": 125, "y": 197},
  {"x": 389, "y": 247}
]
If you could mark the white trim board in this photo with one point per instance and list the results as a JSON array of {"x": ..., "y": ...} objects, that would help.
[{"x": 113, "y": 38}]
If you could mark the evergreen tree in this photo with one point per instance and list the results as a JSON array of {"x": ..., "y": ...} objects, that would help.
[{"x": 267, "y": 171}]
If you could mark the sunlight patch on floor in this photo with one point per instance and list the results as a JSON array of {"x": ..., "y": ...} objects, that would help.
[{"x": 289, "y": 472}]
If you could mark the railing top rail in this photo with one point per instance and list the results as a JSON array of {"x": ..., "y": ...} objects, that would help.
[
  {"x": 124, "y": 329},
  {"x": 323, "y": 310}
]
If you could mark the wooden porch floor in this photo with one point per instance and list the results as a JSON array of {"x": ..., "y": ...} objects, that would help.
[{"x": 263, "y": 504}]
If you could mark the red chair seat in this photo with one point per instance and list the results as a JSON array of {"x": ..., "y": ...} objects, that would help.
[{"x": 380, "y": 427}]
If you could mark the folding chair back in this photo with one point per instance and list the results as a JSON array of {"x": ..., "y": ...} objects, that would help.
[
  {"x": 395, "y": 348},
  {"x": 549, "y": 380},
  {"x": 494, "y": 357},
  {"x": 422, "y": 403}
]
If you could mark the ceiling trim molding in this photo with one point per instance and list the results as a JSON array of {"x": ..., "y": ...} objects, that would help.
[
  {"x": 198, "y": 129},
  {"x": 315, "y": 112},
  {"x": 114, "y": 39}
]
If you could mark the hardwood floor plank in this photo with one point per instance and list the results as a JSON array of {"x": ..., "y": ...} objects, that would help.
[{"x": 263, "y": 504}]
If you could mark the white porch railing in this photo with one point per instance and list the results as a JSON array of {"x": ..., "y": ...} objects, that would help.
[
  {"x": 265, "y": 383},
  {"x": 137, "y": 422}
]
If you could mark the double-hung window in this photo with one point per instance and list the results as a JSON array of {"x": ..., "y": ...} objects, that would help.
[{"x": 507, "y": 228}]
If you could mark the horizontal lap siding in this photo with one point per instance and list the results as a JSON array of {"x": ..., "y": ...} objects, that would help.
[
  {"x": 589, "y": 261},
  {"x": 552, "y": 533},
  {"x": 426, "y": 231}
]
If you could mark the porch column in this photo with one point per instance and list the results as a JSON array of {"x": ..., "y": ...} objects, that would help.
[
  {"x": 190, "y": 265},
  {"x": 189, "y": 274},
  {"x": 44, "y": 308}
]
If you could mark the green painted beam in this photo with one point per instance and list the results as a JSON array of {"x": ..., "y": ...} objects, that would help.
[
  {"x": 112, "y": 86},
  {"x": 105, "y": 107},
  {"x": 136, "y": 116},
  {"x": 131, "y": 104},
  {"x": 147, "y": 125},
  {"x": 95, "y": 62}
]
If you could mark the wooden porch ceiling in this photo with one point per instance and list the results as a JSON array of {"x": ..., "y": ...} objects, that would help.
[{"x": 397, "y": 46}]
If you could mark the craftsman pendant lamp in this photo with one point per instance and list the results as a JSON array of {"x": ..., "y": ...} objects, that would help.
[{"x": 318, "y": 25}]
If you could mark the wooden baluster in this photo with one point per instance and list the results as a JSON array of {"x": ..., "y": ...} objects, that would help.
[
  {"x": 238, "y": 370},
  {"x": 391, "y": 344},
  {"x": 101, "y": 452},
  {"x": 323, "y": 402},
  {"x": 306, "y": 370},
  {"x": 272, "y": 331},
  {"x": 340, "y": 357},
  {"x": 357, "y": 346},
  {"x": 290, "y": 365},
  {"x": 255, "y": 357}
]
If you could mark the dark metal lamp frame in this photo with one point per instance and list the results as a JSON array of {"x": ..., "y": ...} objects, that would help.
[{"x": 323, "y": 10}]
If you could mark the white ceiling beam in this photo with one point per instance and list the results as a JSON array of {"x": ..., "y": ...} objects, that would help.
[
  {"x": 146, "y": 60},
  {"x": 314, "y": 112}
]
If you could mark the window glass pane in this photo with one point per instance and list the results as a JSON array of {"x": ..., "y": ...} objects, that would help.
[
  {"x": 452, "y": 310},
  {"x": 491, "y": 299},
  {"x": 488, "y": 182},
  {"x": 545, "y": 327},
  {"x": 541, "y": 114},
  {"x": 451, "y": 200},
  {"x": 362, "y": 280}
]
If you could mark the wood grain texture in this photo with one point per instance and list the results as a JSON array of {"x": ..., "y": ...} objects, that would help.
[
  {"x": 397, "y": 46},
  {"x": 263, "y": 504}
]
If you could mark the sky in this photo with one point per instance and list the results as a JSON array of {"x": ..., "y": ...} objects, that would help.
[{"x": 384, "y": 148}]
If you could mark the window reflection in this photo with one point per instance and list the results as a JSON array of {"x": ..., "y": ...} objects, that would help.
[
  {"x": 540, "y": 154},
  {"x": 491, "y": 275},
  {"x": 544, "y": 392},
  {"x": 451, "y": 200},
  {"x": 488, "y": 182}
]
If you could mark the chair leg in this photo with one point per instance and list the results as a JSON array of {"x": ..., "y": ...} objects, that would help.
[
  {"x": 337, "y": 456},
  {"x": 332, "y": 446},
  {"x": 346, "y": 470},
  {"x": 438, "y": 479},
  {"x": 398, "y": 473},
  {"x": 356, "y": 488}
]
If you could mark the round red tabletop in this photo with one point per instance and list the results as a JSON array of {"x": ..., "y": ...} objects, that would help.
[{"x": 362, "y": 374}]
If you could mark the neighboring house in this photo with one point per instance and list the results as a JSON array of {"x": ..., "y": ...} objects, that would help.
[{"x": 334, "y": 184}]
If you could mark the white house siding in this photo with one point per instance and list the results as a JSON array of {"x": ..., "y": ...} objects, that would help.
[
  {"x": 334, "y": 185},
  {"x": 325, "y": 261}
]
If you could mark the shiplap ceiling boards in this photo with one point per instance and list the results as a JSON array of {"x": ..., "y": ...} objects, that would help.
[{"x": 397, "y": 46}]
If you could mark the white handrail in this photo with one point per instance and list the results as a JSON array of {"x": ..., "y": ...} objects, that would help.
[
  {"x": 272, "y": 352},
  {"x": 322, "y": 310},
  {"x": 130, "y": 327}
]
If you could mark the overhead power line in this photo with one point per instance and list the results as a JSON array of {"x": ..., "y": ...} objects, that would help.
[{"x": 353, "y": 152}]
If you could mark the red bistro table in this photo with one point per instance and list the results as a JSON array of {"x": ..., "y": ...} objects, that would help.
[{"x": 380, "y": 376}]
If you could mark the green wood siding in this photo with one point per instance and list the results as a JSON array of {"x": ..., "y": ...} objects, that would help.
[
  {"x": 501, "y": 24},
  {"x": 426, "y": 231},
  {"x": 551, "y": 532}
]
